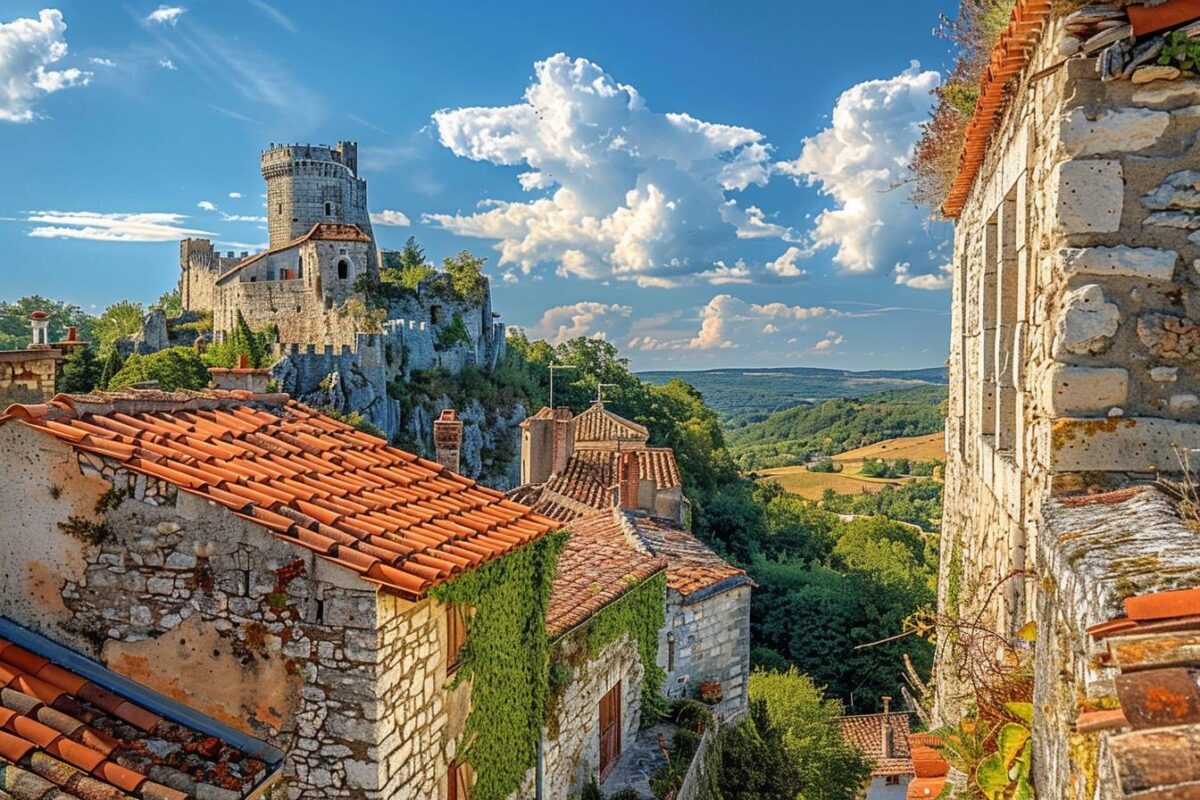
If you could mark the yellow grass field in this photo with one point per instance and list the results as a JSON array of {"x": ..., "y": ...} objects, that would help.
[{"x": 798, "y": 480}]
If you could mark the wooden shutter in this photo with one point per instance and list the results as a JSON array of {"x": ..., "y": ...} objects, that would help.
[
  {"x": 456, "y": 636},
  {"x": 459, "y": 782}
]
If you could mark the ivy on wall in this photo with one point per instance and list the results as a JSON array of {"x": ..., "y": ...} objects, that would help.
[
  {"x": 505, "y": 659},
  {"x": 639, "y": 613}
]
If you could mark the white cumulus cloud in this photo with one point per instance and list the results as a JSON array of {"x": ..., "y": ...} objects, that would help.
[
  {"x": 114, "y": 227},
  {"x": 236, "y": 195},
  {"x": 597, "y": 320},
  {"x": 624, "y": 192},
  {"x": 206, "y": 205},
  {"x": 165, "y": 15},
  {"x": 396, "y": 219},
  {"x": 785, "y": 266},
  {"x": 930, "y": 282},
  {"x": 828, "y": 342},
  {"x": 728, "y": 322},
  {"x": 859, "y": 161},
  {"x": 102, "y": 62},
  {"x": 27, "y": 48}
]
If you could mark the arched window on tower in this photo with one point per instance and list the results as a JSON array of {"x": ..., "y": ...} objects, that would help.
[
  {"x": 343, "y": 269},
  {"x": 329, "y": 209}
]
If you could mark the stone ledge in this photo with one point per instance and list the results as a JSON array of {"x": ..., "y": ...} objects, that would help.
[
  {"x": 1147, "y": 263},
  {"x": 1120, "y": 444}
]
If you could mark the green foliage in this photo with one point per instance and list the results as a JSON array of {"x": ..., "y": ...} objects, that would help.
[
  {"x": 15, "y": 330},
  {"x": 505, "y": 659},
  {"x": 254, "y": 345},
  {"x": 834, "y": 426},
  {"x": 640, "y": 614},
  {"x": 170, "y": 303},
  {"x": 465, "y": 272},
  {"x": 961, "y": 96},
  {"x": 111, "y": 366},
  {"x": 997, "y": 757},
  {"x": 1180, "y": 50},
  {"x": 403, "y": 272},
  {"x": 754, "y": 763},
  {"x": 80, "y": 371},
  {"x": 119, "y": 321},
  {"x": 826, "y": 465},
  {"x": 453, "y": 334},
  {"x": 667, "y": 779},
  {"x": 173, "y": 368},
  {"x": 918, "y": 503},
  {"x": 203, "y": 323}
]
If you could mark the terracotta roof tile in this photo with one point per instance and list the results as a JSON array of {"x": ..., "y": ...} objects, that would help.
[
  {"x": 598, "y": 424},
  {"x": 586, "y": 483},
  {"x": 309, "y": 479},
  {"x": 323, "y": 231},
  {"x": 598, "y": 564},
  {"x": 89, "y": 743},
  {"x": 1009, "y": 57},
  {"x": 865, "y": 731}
]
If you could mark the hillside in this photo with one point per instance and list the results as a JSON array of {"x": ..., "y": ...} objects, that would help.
[
  {"x": 742, "y": 396},
  {"x": 834, "y": 426},
  {"x": 850, "y": 480}
]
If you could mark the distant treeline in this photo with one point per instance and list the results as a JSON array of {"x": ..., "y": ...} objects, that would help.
[{"x": 834, "y": 426}]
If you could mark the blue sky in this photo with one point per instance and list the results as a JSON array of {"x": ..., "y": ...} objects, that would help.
[{"x": 706, "y": 184}]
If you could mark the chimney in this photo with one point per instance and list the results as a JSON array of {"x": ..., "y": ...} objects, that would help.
[
  {"x": 564, "y": 439},
  {"x": 447, "y": 439},
  {"x": 885, "y": 739},
  {"x": 628, "y": 480},
  {"x": 241, "y": 377},
  {"x": 39, "y": 321}
]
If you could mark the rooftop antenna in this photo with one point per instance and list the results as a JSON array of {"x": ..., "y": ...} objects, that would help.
[
  {"x": 600, "y": 390},
  {"x": 552, "y": 368}
]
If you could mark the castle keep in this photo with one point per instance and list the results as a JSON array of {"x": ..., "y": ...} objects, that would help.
[{"x": 1073, "y": 386}]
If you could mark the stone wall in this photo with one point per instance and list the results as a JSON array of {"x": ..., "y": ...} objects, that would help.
[
  {"x": 571, "y": 745},
  {"x": 27, "y": 376},
  {"x": 1074, "y": 300},
  {"x": 708, "y": 638},
  {"x": 305, "y": 180},
  {"x": 216, "y": 613}
]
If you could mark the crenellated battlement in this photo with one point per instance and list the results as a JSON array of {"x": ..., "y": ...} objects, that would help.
[{"x": 280, "y": 159}]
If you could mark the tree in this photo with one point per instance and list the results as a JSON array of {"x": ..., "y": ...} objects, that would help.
[
  {"x": 754, "y": 762},
  {"x": 15, "y": 331},
  {"x": 170, "y": 303},
  {"x": 173, "y": 368},
  {"x": 80, "y": 371},
  {"x": 254, "y": 345},
  {"x": 405, "y": 271},
  {"x": 466, "y": 275},
  {"x": 827, "y": 767},
  {"x": 111, "y": 366},
  {"x": 119, "y": 321}
]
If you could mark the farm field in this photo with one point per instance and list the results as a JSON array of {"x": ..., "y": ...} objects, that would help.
[{"x": 812, "y": 485}]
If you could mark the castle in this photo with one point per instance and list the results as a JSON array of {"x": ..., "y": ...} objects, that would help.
[
  {"x": 1074, "y": 389},
  {"x": 332, "y": 349}
]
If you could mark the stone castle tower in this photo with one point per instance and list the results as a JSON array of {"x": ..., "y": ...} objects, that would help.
[
  {"x": 1074, "y": 387},
  {"x": 310, "y": 184}
]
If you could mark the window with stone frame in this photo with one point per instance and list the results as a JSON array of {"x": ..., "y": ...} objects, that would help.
[
  {"x": 343, "y": 269},
  {"x": 892, "y": 780},
  {"x": 987, "y": 326},
  {"x": 456, "y": 636},
  {"x": 1010, "y": 255}
]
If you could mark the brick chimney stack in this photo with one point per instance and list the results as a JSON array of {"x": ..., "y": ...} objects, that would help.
[
  {"x": 447, "y": 439},
  {"x": 628, "y": 480},
  {"x": 564, "y": 442},
  {"x": 885, "y": 739}
]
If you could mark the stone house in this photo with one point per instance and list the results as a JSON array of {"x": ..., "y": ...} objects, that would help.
[
  {"x": 884, "y": 741},
  {"x": 598, "y": 466},
  {"x": 30, "y": 375},
  {"x": 242, "y": 566},
  {"x": 1073, "y": 380}
]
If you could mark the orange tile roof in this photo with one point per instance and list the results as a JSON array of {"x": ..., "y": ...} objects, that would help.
[
  {"x": 599, "y": 564},
  {"x": 321, "y": 231},
  {"x": 586, "y": 483},
  {"x": 692, "y": 566},
  {"x": 1009, "y": 58},
  {"x": 598, "y": 424},
  {"x": 63, "y": 736},
  {"x": 399, "y": 521},
  {"x": 865, "y": 731}
]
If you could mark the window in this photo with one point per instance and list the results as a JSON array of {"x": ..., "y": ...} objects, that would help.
[
  {"x": 328, "y": 209},
  {"x": 610, "y": 730},
  {"x": 343, "y": 269},
  {"x": 892, "y": 780},
  {"x": 458, "y": 782},
  {"x": 435, "y": 315},
  {"x": 456, "y": 636},
  {"x": 279, "y": 208}
]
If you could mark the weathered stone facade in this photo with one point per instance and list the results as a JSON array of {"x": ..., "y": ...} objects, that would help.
[
  {"x": 28, "y": 376},
  {"x": 1072, "y": 366},
  {"x": 212, "y": 611},
  {"x": 707, "y": 637}
]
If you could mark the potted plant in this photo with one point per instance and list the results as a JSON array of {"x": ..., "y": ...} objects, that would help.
[{"x": 709, "y": 691}]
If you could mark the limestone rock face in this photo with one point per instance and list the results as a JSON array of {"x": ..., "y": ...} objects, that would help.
[
  {"x": 1087, "y": 324},
  {"x": 1180, "y": 191},
  {"x": 1126, "y": 130},
  {"x": 1091, "y": 196},
  {"x": 1088, "y": 390},
  {"x": 1148, "y": 263}
]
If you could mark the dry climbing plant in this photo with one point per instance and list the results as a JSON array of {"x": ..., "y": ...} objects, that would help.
[{"x": 992, "y": 743}]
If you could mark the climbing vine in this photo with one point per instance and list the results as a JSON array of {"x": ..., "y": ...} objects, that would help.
[
  {"x": 505, "y": 659},
  {"x": 639, "y": 613}
]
